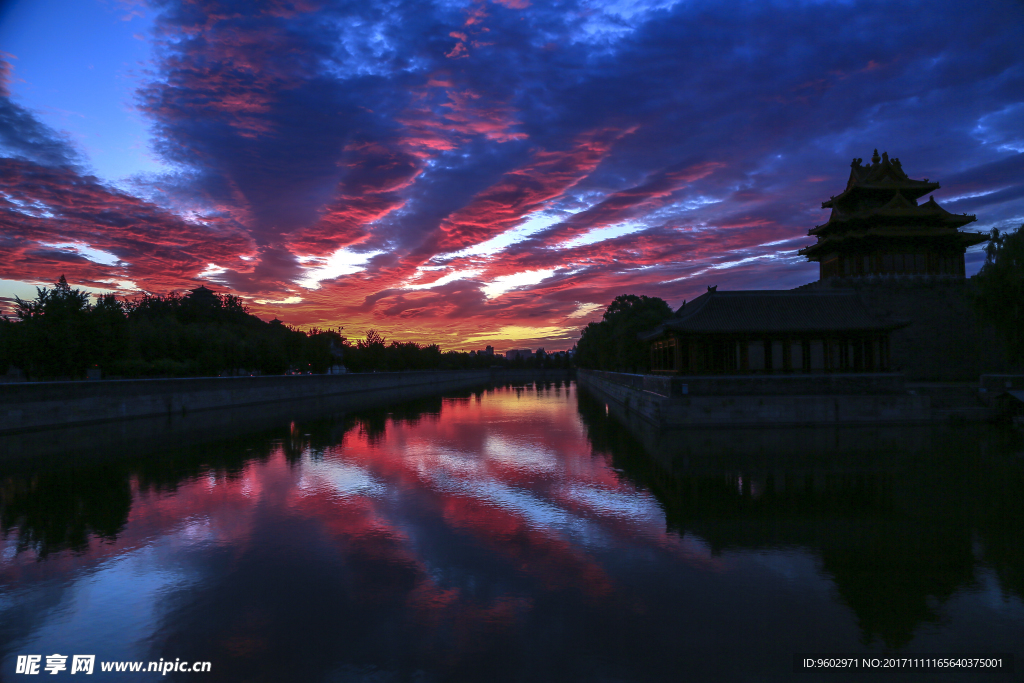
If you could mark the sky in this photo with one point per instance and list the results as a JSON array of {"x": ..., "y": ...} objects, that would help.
[{"x": 480, "y": 172}]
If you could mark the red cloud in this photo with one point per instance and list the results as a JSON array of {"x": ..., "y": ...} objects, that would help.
[
  {"x": 160, "y": 250},
  {"x": 371, "y": 189},
  {"x": 440, "y": 117},
  {"x": 524, "y": 191}
]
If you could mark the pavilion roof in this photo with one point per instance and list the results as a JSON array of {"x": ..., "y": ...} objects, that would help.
[
  {"x": 883, "y": 175},
  {"x": 900, "y": 209},
  {"x": 774, "y": 312}
]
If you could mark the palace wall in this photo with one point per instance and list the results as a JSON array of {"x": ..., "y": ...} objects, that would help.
[{"x": 946, "y": 340}]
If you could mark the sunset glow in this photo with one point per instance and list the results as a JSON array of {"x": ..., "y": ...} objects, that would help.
[{"x": 479, "y": 172}]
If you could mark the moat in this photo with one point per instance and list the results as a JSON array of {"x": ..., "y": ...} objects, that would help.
[{"x": 518, "y": 533}]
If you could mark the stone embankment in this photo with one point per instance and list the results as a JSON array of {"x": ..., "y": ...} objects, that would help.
[
  {"x": 785, "y": 400},
  {"x": 49, "y": 405},
  {"x": 27, "y": 406}
]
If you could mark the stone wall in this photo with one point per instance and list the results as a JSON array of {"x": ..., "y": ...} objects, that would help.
[
  {"x": 945, "y": 340},
  {"x": 728, "y": 411},
  {"x": 806, "y": 384}
]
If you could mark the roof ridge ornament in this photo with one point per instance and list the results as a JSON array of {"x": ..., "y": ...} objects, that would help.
[{"x": 713, "y": 289}]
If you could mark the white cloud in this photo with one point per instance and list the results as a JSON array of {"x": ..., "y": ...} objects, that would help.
[
  {"x": 85, "y": 251},
  {"x": 450, "y": 277},
  {"x": 534, "y": 222},
  {"x": 504, "y": 283},
  {"x": 294, "y": 299},
  {"x": 601, "y": 234},
  {"x": 341, "y": 262},
  {"x": 583, "y": 310}
]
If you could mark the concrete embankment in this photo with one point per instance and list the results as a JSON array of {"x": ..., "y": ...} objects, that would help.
[
  {"x": 51, "y": 405},
  {"x": 89, "y": 421},
  {"x": 668, "y": 403}
]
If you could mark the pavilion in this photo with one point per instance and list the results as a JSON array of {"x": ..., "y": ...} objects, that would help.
[{"x": 772, "y": 331}]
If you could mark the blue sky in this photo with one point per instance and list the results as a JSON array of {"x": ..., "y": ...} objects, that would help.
[{"x": 86, "y": 87}]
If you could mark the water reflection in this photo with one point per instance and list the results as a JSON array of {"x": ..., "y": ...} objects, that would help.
[
  {"x": 901, "y": 519},
  {"x": 514, "y": 533}
]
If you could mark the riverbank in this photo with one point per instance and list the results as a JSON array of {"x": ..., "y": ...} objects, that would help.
[
  {"x": 47, "y": 405},
  {"x": 111, "y": 417}
]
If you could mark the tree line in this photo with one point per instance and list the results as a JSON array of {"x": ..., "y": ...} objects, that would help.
[
  {"x": 999, "y": 288},
  {"x": 62, "y": 335}
]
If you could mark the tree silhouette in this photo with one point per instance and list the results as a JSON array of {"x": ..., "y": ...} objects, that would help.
[
  {"x": 1000, "y": 287},
  {"x": 612, "y": 344},
  {"x": 58, "y": 335},
  {"x": 52, "y": 337}
]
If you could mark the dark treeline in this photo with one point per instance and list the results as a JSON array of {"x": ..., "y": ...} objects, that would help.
[
  {"x": 612, "y": 344},
  {"x": 61, "y": 335},
  {"x": 1000, "y": 288}
]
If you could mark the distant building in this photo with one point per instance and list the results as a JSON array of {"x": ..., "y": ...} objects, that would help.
[
  {"x": 203, "y": 293},
  {"x": 877, "y": 227},
  {"x": 513, "y": 354},
  {"x": 489, "y": 351}
]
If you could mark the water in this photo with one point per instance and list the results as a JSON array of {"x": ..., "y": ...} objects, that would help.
[{"x": 518, "y": 534}]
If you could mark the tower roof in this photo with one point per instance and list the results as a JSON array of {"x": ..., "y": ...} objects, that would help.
[
  {"x": 879, "y": 206},
  {"x": 899, "y": 210},
  {"x": 202, "y": 291},
  {"x": 881, "y": 177}
]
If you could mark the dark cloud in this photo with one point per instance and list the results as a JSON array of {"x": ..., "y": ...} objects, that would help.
[{"x": 24, "y": 136}]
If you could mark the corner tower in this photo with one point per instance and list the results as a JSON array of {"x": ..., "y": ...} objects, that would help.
[{"x": 878, "y": 228}]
